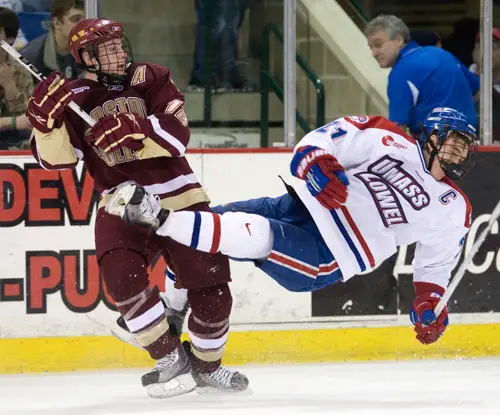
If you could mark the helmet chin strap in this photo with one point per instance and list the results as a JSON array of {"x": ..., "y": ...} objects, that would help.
[
  {"x": 433, "y": 154},
  {"x": 106, "y": 78},
  {"x": 109, "y": 79},
  {"x": 452, "y": 170}
]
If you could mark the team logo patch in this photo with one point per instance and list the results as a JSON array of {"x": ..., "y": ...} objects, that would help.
[
  {"x": 361, "y": 119},
  {"x": 389, "y": 141},
  {"x": 81, "y": 89}
]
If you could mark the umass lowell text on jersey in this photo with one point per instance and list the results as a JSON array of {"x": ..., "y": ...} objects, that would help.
[{"x": 386, "y": 177}]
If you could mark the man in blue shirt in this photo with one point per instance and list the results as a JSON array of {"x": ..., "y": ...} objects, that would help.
[{"x": 422, "y": 78}]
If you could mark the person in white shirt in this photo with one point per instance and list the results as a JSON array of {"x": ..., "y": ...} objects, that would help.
[{"x": 366, "y": 187}]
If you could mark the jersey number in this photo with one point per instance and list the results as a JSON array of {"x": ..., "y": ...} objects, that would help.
[{"x": 336, "y": 132}]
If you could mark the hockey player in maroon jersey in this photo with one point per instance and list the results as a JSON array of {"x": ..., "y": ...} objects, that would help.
[{"x": 141, "y": 134}]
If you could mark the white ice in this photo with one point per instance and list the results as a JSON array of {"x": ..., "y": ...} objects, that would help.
[{"x": 469, "y": 387}]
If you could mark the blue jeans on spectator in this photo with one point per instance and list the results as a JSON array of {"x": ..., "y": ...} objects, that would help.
[{"x": 225, "y": 21}]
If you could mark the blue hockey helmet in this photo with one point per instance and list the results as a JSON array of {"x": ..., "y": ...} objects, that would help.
[{"x": 457, "y": 160}]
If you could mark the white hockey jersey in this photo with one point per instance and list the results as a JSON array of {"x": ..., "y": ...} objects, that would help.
[{"x": 393, "y": 200}]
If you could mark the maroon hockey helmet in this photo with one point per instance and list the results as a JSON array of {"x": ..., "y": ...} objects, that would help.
[{"x": 86, "y": 37}]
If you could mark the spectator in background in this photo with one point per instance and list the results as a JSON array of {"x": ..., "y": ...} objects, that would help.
[
  {"x": 461, "y": 42},
  {"x": 422, "y": 78},
  {"x": 223, "y": 20},
  {"x": 16, "y": 6},
  {"x": 49, "y": 52},
  {"x": 16, "y": 86},
  {"x": 426, "y": 38},
  {"x": 495, "y": 58},
  {"x": 36, "y": 6},
  {"x": 476, "y": 69}
]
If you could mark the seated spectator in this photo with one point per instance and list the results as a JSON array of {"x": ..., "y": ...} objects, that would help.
[
  {"x": 16, "y": 6},
  {"x": 422, "y": 78},
  {"x": 49, "y": 52},
  {"x": 16, "y": 86}
]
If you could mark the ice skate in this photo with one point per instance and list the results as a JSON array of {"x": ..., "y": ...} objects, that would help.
[
  {"x": 222, "y": 380},
  {"x": 171, "y": 376}
]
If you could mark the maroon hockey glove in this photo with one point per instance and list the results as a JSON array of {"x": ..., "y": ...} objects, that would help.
[
  {"x": 115, "y": 131},
  {"x": 48, "y": 101},
  {"x": 323, "y": 174},
  {"x": 422, "y": 315}
]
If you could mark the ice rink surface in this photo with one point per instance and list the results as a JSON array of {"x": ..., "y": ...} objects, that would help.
[{"x": 392, "y": 388}]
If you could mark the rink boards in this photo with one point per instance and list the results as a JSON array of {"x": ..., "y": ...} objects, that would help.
[{"x": 55, "y": 313}]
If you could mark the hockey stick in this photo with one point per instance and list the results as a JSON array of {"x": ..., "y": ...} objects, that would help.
[
  {"x": 38, "y": 75},
  {"x": 466, "y": 262}
]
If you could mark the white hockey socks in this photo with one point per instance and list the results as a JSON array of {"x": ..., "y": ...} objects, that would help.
[
  {"x": 176, "y": 298},
  {"x": 236, "y": 234}
]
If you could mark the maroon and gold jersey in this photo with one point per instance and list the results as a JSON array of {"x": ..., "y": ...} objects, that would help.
[{"x": 160, "y": 166}]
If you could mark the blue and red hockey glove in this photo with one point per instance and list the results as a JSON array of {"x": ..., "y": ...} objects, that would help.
[
  {"x": 323, "y": 174},
  {"x": 422, "y": 315}
]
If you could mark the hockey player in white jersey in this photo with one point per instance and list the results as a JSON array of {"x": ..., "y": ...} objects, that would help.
[{"x": 367, "y": 188}]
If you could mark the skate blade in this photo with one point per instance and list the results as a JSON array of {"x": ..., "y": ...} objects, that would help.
[
  {"x": 181, "y": 385},
  {"x": 208, "y": 390}
]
